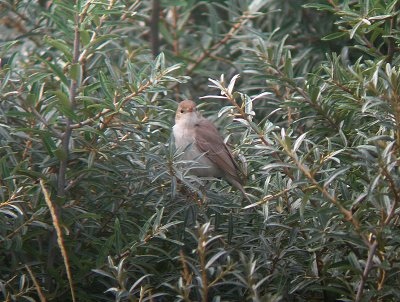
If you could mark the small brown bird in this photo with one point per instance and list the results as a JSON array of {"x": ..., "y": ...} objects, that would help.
[{"x": 191, "y": 128}]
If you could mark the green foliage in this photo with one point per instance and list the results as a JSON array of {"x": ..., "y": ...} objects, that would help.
[{"x": 307, "y": 95}]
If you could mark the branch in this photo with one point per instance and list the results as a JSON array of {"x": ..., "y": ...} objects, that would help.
[
  {"x": 347, "y": 214},
  {"x": 83, "y": 55},
  {"x": 141, "y": 89},
  {"x": 215, "y": 48},
  {"x": 175, "y": 43},
  {"x": 36, "y": 283},
  {"x": 68, "y": 129},
  {"x": 154, "y": 28},
  {"x": 244, "y": 116},
  {"x": 396, "y": 193},
  {"x": 300, "y": 91},
  {"x": 367, "y": 269},
  {"x": 33, "y": 109},
  {"x": 270, "y": 197},
  {"x": 60, "y": 240}
]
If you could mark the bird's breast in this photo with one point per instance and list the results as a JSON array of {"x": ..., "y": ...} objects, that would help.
[{"x": 183, "y": 136}]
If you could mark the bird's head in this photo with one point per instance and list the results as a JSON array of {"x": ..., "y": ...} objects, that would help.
[{"x": 186, "y": 111}]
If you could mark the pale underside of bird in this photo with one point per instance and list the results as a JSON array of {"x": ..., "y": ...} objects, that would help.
[{"x": 200, "y": 141}]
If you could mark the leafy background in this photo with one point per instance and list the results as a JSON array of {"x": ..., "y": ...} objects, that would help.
[{"x": 96, "y": 204}]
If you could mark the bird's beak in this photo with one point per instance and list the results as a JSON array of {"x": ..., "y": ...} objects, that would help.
[{"x": 190, "y": 109}]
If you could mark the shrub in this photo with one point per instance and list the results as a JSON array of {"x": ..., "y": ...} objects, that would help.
[{"x": 96, "y": 203}]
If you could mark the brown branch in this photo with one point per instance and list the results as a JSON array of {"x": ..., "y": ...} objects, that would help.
[
  {"x": 175, "y": 44},
  {"x": 154, "y": 27},
  {"x": 343, "y": 87},
  {"x": 18, "y": 24},
  {"x": 22, "y": 226}
]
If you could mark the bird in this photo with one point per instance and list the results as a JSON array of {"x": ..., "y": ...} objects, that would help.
[{"x": 201, "y": 141}]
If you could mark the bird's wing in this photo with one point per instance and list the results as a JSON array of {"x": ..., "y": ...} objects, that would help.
[{"x": 209, "y": 140}]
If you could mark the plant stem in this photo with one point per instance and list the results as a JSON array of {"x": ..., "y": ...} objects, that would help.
[
  {"x": 368, "y": 266},
  {"x": 66, "y": 137}
]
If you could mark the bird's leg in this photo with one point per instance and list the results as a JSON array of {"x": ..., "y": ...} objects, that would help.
[
  {"x": 202, "y": 195},
  {"x": 197, "y": 196}
]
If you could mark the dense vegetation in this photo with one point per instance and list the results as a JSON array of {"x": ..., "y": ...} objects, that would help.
[{"x": 95, "y": 202}]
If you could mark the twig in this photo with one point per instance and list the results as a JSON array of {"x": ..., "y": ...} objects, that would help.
[
  {"x": 268, "y": 198},
  {"x": 36, "y": 283},
  {"x": 186, "y": 275},
  {"x": 22, "y": 226},
  {"x": 60, "y": 240},
  {"x": 74, "y": 182},
  {"x": 332, "y": 3}
]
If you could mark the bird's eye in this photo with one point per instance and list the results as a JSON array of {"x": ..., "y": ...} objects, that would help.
[{"x": 182, "y": 111}]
